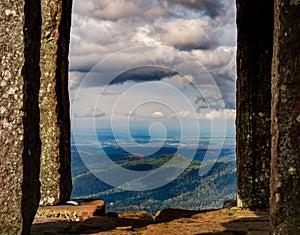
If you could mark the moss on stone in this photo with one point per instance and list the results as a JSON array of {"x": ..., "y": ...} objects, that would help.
[{"x": 55, "y": 181}]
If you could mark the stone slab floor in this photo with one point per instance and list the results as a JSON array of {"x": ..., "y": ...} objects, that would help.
[{"x": 81, "y": 220}]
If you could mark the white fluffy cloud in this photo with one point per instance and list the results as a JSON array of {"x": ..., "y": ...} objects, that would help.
[
  {"x": 190, "y": 33},
  {"x": 157, "y": 115},
  {"x": 221, "y": 114}
]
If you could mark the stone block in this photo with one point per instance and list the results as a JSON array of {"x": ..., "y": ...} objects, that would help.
[
  {"x": 253, "y": 137},
  {"x": 285, "y": 164},
  {"x": 20, "y": 26},
  {"x": 56, "y": 181}
]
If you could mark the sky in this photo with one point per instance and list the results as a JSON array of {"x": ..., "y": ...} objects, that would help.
[{"x": 153, "y": 64}]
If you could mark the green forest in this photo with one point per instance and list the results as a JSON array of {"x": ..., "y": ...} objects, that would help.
[{"x": 188, "y": 191}]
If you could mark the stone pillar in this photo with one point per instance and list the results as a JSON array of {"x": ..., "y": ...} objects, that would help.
[
  {"x": 254, "y": 60},
  {"x": 20, "y": 26},
  {"x": 56, "y": 182},
  {"x": 285, "y": 165}
]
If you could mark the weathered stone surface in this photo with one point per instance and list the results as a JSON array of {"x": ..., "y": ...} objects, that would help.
[
  {"x": 254, "y": 59},
  {"x": 56, "y": 182},
  {"x": 77, "y": 213},
  {"x": 285, "y": 165},
  {"x": 235, "y": 221},
  {"x": 20, "y": 26}
]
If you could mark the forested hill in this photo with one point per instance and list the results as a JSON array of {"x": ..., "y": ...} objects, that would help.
[{"x": 188, "y": 191}]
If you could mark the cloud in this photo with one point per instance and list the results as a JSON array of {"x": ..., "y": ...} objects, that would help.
[
  {"x": 180, "y": 81},
  {"x": 215, "y": 94},
  {"x": 218, "y": 114},
  {"x": 157, "y": 115},
  {"x": 111, "y": 10},
  {"x": 148, "y": 35},
  {"x": 218, "y": 58},
  {"x": 134, "y": 64},
  {"x": 120, "y": 9},
  {"x": 94, "y": 37},
  {"x": 159, "y": 10},
  {"x": 210, "y": 97},
  {"x": 211, "y": 8},
  {"x": 227, "y": 88},
  {"x": 130, "y": 114},
  {"x": 143, "y": 74},
  {"x": 183, "y": 114},
  {"x": 75, "y": 79},
  {"x": 204, "y": 29},
  {"x": 221, "y": 64},
  {"x": 190, "y": 34},
  {"x": 90, "y": 112}
]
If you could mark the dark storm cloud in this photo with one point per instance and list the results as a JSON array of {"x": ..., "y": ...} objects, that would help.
[
  {"x": 212, "y": 8},
  {"x": 101, "y": 79},
  {"x": 224, "y": 81},
  {"x": 143, "y": 74}
]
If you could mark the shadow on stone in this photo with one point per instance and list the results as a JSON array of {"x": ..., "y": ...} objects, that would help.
[
  {"x": 95, "y": 224},
  {"x": 170, "y": 214},
  {"x": 169, "y": 221},
  {"x": 244, "y": 222}
]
